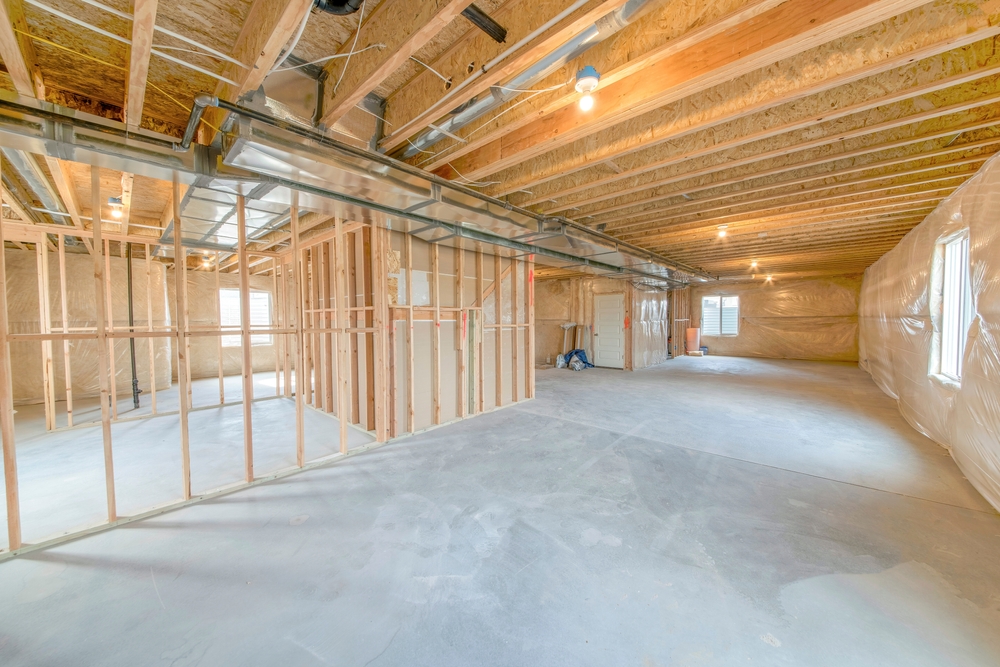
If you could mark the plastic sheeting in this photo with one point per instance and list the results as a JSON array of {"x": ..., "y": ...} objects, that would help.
[
  {"x": 897, "y": 322},
  {"x": 789, "y": 319},
  {"x": 23, "y": 317},
  {"x": 650, "y": 328}
]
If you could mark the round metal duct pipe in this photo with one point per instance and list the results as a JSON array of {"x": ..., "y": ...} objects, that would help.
[{"x": 339, "y": 7}]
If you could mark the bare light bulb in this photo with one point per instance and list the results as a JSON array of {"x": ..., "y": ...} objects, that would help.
[
  {"x": 586, "y": 103},
  {"x": 753, "y": 264},
  {"x": 722, "y": 233},
  {"x": 769, "y": 279},
  {"x": 116, "y": 213}
]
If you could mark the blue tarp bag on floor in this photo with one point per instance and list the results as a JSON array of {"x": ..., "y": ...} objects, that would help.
[{"x": 577, "y": 360}]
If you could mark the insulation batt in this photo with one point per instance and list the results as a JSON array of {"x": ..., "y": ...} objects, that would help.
[{"x": 897, "y": 319}]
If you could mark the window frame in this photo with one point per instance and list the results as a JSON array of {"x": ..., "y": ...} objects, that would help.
[
  {"x": 940, "y": 277},
  {"x": 231, "y": 340},
  {"x": 721, "y": 308}
]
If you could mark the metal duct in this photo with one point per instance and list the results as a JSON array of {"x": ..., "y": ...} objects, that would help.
[
  {"x": 594, "y": 34},
  {"x": 338, "y": 7}
]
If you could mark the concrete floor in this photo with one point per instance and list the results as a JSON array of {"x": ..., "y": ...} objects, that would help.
[
  {"x": 711, "y": 511},
  {"x": 61, "y": 473}
]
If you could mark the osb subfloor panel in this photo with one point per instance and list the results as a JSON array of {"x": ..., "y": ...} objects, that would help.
[{"x": 709, "y": 511}]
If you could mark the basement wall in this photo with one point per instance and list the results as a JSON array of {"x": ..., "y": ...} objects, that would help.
[
  {"x": 562, "y": 300},
  {"x": 23, "y": 273},
  {"x": 900, "y": 312},
  {"x": 815, "y": 319}
]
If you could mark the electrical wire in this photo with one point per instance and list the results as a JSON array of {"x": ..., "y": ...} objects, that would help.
[
  {"x": 530, "y": 90},
  {"x": 431, "y": 70},
  {"x": 468, "y": 181},
  {"x": 326, "y": 58},
  {"x": 113, "y": 66},
  {"x": 357, "y": 33}
]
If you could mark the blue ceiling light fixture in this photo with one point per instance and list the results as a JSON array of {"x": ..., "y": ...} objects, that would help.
[{"x": 586, "y": 82}]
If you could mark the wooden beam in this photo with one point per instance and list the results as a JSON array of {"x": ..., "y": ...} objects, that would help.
[
  {"x": 127, "y": 181},
  {"x": 471, "y": 66},
  {"x": 410, "y": 381},
  {"x": 809, "y": 80},
  {"x": 853, "y": 120},
  {"x": 296, "y": 296},
  {"x": 180, "y": 301},
  {"x": 781, "y": 32},
  {"x": 436, "y": 335},
  {"x": 11, "y": 493},
  {"x": 340, "y": 297},
  {"x": 143, "y": 20},
  {"x": 402, "y": 27},
  {"x": 17, "y": 51},
  {"x": 848, "y": 132},
  {"x": 268, "y": 27},
  {"x": 245, "y": 338},
  {"x": 103, "y": 375},
  {"x": 679, "y": 25}
]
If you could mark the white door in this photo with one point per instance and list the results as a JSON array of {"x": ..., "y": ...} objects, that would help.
[{"x": 609, "y": 330}]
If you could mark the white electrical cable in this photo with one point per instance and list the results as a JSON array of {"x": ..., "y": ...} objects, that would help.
[
  {"x": 295, "y": 42},
  {"x": 326, "y": 58},
  {"x": 431, "y": 69},
  {"x": 469, "y": 181},
  {"x": 357, "y": 33},
  {"x": 528, "y": 90}
]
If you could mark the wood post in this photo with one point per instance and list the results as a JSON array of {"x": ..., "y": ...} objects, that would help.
[
  {"x": 149, "y": 327},
  {"x": 480, "y": 367},
  {"x": 247, "y": 349},
  {"x": 530, "y": 343},
  {"x": 102, "y": 342},
  {"x": 111, "y": 327},
  {"x": 498, "y": 310},
  {"x": 515, "y": 321},
  {"x": 461, "y": 323},
  {"x": 45, "y": 327},
  {"x": 7, "y": 412},
  {"x": 180, "y": 293},
  {"x": 218, "y": 319},
  {"x": 343, "y": 381},
  {"x": 436, "y": 333},
  {"x": 64, "y": 302},
  {"x": 410, "y": 383},
  {"x": 296, "y": 264}
]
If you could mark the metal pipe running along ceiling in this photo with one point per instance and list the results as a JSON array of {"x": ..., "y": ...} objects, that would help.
[{"x": 333, "y": 177}]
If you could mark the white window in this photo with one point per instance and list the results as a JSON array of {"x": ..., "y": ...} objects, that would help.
[
  {"x": 956, "y": 307},
  {"x": 260, "y": 315},
  {"x": 720, "y": 315}
]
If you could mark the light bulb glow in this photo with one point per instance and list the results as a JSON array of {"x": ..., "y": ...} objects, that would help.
[
  {"x": 722, "y": 233},
  {"x": 753, "y": 264},
  {"x": 116, "y": 213},
  {"x": 586, "y": 103},
  {"x": 769, "y": 279}
]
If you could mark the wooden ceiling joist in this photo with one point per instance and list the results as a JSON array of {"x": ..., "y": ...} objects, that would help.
[
  {"x": 267, "y": 28},
  {"x": 143, "y": 20},
  {"x": 401, "y": 28},
  {"x": 17, "y": 51},
  {"x": 425, "y": 98},
  {"x": 868, "y": 114},
  {"x": 813, "y": 78},
  {"x": 789, "y": 28}
]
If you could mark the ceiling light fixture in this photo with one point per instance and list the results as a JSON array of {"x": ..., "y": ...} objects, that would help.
[
  {"x": 769, "y": 277},
  {"x": 586, "y": 83},
  {"x": 116, "y": 207},
  {"x": 753, "y": 264},
  {"x": 722, "y": 230}
]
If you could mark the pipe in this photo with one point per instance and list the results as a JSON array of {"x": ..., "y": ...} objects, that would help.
[
  {"x": 322, "y": 139},
  {"x": 201, "y": 102},
  {"x": 131, "y": 325},
  {"x": 594, "y": 34}
]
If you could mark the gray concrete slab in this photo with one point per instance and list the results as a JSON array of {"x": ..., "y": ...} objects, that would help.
[{"x": 706, "y": 512}]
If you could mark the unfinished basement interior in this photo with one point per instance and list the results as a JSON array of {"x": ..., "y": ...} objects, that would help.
[{"x": 500, "y": 332}]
